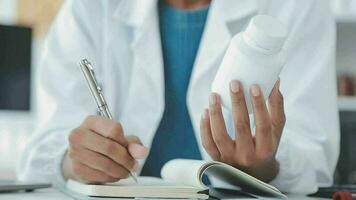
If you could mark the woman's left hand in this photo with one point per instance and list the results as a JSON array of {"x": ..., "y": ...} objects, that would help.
[{"x": 252, "y": 153}]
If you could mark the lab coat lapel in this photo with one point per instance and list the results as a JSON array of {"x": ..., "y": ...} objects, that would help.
[
  {"x": 147, "y": 54},
  {"x": 147, "y": 82},
  {"x": 142, "y": 17}
]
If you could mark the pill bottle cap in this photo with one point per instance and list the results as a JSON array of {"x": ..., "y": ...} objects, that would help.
[{"x": 266, "y": 32}]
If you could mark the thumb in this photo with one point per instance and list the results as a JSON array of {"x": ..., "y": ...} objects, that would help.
[{"x": 136, "y": 148}]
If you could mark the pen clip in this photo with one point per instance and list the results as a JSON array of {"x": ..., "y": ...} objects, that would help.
[
  {"x": 96, "y": 89},
  {"x": 90, "y": 68}
]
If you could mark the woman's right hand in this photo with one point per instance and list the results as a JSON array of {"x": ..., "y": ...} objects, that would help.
[{"x": 99, "y": 152}]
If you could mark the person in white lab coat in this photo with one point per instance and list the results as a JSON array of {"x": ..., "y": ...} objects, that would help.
[{"x": 122, "y": 39}]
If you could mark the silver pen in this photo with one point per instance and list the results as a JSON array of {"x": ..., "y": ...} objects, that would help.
[{"x": 96, "y": 91}]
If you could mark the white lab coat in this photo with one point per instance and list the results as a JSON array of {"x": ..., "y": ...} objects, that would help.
[{"x": 121, "y": 38}]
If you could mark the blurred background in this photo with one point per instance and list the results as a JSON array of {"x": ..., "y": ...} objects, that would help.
[{"x": 24, "y": 25}]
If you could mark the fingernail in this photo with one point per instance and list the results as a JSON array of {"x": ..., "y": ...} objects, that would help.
[
  {"x": 136, "y": 166},
  {"x": 278, "y": 83},
  {"x": 213, "y": 99},
  {"x": 138, "y": 151},
  {"x": 255, "y": 90},
  {"x": 234, "y": 86},
  {"x": 206, "y": 114}
]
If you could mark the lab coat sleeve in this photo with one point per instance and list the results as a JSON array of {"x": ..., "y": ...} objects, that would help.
[
  {"x": 64, "y": 99},
  {"x": 308, "y": 149}
]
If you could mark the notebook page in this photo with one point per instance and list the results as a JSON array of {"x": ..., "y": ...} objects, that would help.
[
  {"x": 143, "y": 181},
  {"x": 236, "y": 177},
  {"x": 148, "y": 182},
  {"x": 147, "y": 188},
  {"x": 184, "y": 171}
]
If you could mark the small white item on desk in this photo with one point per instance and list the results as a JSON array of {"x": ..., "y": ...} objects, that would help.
[{"x": 255, "y": 56}]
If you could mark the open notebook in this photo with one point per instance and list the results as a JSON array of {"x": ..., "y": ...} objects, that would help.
[{"x": 181, "y": 178}]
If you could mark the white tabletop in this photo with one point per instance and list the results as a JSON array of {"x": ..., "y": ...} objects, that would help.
[
  {"x": 52, "y": 194},
  {"x": 44, "y": 194}
]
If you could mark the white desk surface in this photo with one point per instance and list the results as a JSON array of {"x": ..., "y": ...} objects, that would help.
[{"x": 52, "y": 194}]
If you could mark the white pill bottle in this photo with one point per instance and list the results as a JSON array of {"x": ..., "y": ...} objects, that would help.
[{"x": 255, "y": 56}]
